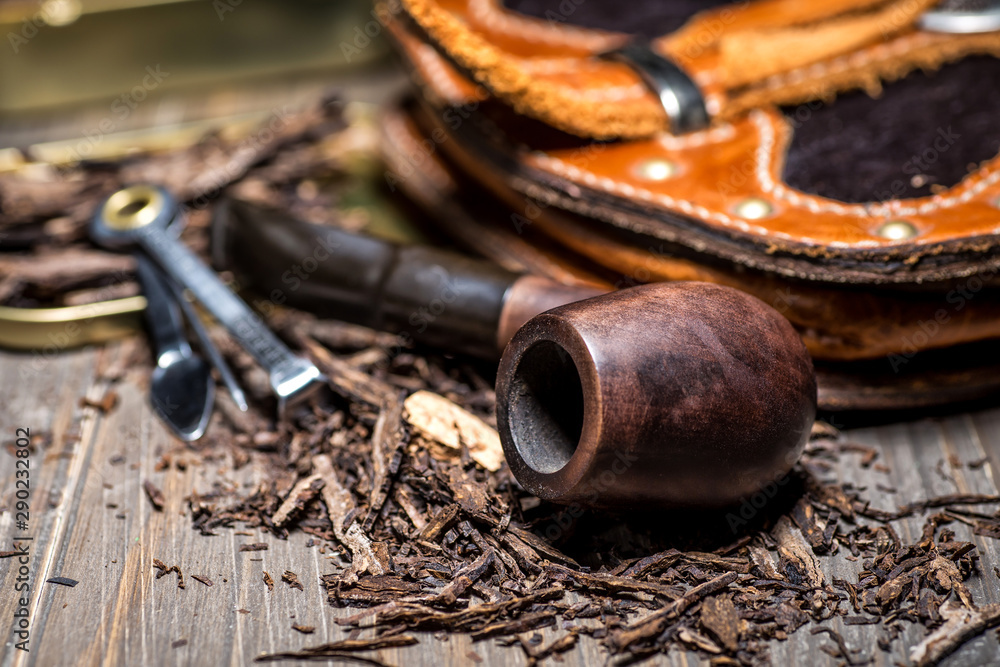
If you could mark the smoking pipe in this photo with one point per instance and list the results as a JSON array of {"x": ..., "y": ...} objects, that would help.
[
  {"x": 439, "y": 298},
  {"x": 663, "y": 395}
]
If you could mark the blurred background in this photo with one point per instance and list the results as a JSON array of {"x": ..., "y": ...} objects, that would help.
[{"x": 87, "y": 78}]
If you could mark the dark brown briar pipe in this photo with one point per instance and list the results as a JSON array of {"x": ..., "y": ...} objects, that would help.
[
  {"x": 433, "y": 296},
  {"x": 670, "y": 394},
  {"x": 664, "y": 395}
]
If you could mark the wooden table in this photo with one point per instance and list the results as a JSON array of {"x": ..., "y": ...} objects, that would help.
[{"x": 91, "y": 521}]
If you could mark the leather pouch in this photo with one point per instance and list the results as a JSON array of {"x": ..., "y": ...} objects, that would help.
[{"x": 847, "y": 172}]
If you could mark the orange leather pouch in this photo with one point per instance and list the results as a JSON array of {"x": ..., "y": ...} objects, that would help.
[{"x": 838, "y": 160}]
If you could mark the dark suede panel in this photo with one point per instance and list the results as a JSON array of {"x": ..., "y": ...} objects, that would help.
[
  {"x": 926, "y": 130},
  {"x": 648, "y": 18}
]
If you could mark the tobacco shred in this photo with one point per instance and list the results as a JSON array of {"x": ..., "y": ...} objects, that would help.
[
  {"x": 62, "y": 581},
  {"x": 105, "y": 404},
  {"x": 292, "y": 580},
  {"x": 343, "y": 650},
  {"x": 154, "y": 494},
  {"x": 163, "y": 570}
]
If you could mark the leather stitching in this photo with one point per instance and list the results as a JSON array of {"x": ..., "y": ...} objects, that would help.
[
  {"x": 713, "y": 136},
  {"x": 769, "y": 170},
  {"x": 857, "y": 60},
  {"x": 433, "y": 66},
  {"x": 497, "y": 17},
  {"x": 432, "y": 63},
  {"x": 573, "y": 172},
  {"x": 635, "y": 91}
]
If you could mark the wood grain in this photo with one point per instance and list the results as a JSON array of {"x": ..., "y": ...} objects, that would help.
[{"x": 92, "y": 522}]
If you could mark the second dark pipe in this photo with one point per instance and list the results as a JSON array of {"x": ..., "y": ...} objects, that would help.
[{"x": 436, "y": 297}]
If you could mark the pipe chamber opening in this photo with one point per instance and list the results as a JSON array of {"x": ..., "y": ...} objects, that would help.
[
  {"x": 546, "y": 411},
  {"x": 712, "y": 419}
]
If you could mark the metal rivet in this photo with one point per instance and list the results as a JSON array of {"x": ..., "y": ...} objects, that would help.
[
  {"x": 656, "y": 169},
  {"x": 897, "y": 230},
  {"x": 754, "y": 208}
]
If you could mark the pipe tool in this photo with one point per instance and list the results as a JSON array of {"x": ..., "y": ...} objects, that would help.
[
  {"x": 147, "y": 220},
  {"x": 181, "y": 389}
]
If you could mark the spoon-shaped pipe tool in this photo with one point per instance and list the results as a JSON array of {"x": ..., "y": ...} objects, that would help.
[
  {"x": 182, "y": 391},
  {"x": 143, "y": 217},
  {"x": 208, "y": 347}
]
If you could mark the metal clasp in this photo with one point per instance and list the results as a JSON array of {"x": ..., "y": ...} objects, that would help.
[
  {"x": 963, "y": 17},
  {"x": 678, "y": 93}
]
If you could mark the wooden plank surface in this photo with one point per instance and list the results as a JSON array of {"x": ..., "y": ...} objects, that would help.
[{"x": 92, "y": 522}]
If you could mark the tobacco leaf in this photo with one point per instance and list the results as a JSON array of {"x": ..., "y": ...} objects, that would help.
[
  {"x": 340, "y": 505},
  {"x": 441, "y": 421},
  {"x": 719, "y": 617},
  {"x": 960, "y": 625},
  {"x": 796, "y": 560},
  {"x": 304, "y": 490},
  {"x": 388, "y": 440},
  {"x": 652, "y": 625}
]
